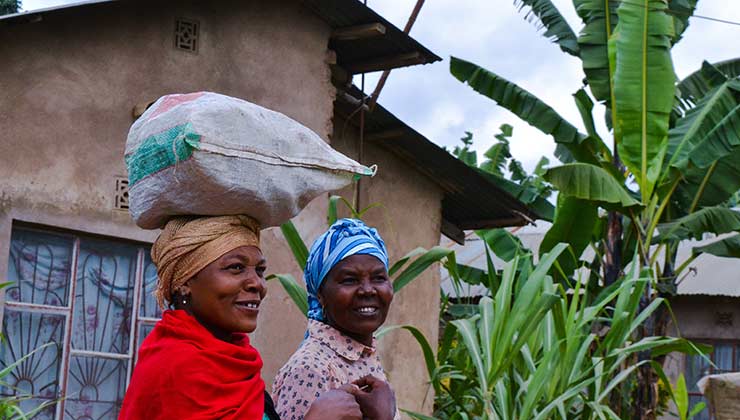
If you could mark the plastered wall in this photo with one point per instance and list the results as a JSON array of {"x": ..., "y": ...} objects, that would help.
[{"x": 67, "y": 89}]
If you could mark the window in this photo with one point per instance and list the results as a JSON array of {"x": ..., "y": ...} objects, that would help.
[
  {"x": 78, "y": 293},
  {"x": 725, "y": 357}
]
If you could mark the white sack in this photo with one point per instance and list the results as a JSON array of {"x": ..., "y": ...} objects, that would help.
[
  {"x": 210, "y": 154},
  {"x": 723, "y": 393}
]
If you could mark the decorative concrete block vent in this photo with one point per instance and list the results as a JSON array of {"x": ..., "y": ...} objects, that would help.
[
  {"x": 121, "y": 194},
  {"x": 186, "y": 35}
]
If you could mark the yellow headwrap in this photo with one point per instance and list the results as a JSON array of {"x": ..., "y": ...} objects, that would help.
[{"x": 186, "y": 245}]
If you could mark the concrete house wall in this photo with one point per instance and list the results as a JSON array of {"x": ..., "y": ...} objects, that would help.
[{"x": 68, "y": 86}]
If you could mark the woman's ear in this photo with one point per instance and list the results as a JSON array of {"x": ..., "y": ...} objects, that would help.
[
  {"x": 185, "y": 289},
  {"x": 320, "y": 297}
]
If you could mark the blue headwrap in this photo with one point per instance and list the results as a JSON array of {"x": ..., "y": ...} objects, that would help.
[{"x": 344, "y": 238}]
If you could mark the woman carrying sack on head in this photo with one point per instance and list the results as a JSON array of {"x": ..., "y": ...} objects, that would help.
[{"x": 197, "y": 363}]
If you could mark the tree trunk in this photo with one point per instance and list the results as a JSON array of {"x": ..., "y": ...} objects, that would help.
[{"x": 613, "y": 254}]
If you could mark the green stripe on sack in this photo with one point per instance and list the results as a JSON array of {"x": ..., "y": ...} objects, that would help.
[{"x": 161, "y": 151}]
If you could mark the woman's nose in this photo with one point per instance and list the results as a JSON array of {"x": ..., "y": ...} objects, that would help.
[
  {"x": 254, "y": 282},
  {"x": 367, "y": 287}
]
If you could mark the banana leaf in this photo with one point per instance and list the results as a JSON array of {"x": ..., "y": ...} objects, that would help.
[
  {"x": 527, "y": 107},
  {"x": 727, "y": 247},
  {"x": 541, "y": 206},
  {"x": 694, "y": 86},
  {"x": 574, "y": 223},
  {"x": 600, "y": 19},
  {"x": 717, "y": 220},
  {"x": 591, "y": 183},
  {"x": 711, "y": 123},
  {"x": 548, "y": 16},
  {"x": 681, "y": 11},
  {"x": 705, "y": 187},
  {"x": 644, "y": 79}
]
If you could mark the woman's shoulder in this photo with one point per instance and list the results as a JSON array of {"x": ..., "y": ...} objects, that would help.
[{"x": 310, "y": 357}]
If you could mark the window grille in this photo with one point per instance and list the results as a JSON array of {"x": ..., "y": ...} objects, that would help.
[
  {"x": 726, "y": 358},
  {"x": 78, "y": 293}
]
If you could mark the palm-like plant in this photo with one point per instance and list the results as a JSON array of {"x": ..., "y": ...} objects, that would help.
[
  {"x": 537, "y": 350},
  {"x": 675, "y": 145}
]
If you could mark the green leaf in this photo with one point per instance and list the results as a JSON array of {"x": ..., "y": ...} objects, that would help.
[
  {"x": 716, "y": 220},
  {"x": 697, "y": 84},
  {"x": 505, "y": 245},
  {"x": 296, "y": 244},
  {"x": 296, "y": 292},
  {"x": 522, "y": 103},
  {"x": 592, "y": 183},
  {"x": 681, "y": 11},
  {"x": 331, "y": 212},
  {"x": 541, "y": 206},
  {"x": 600, "y": 19},
  {"x": 419, "y": 265},
  {"x": 644, "y": 80},
  {"x": 700, "y": 126},
  {"x": 697, "y": 409},
  {"x": 549, "y": 17},
  {"x": 585, "y": 108},
  {"x": 682, "y": 397},
  {"x": 426, "y": 349},
  {"x": 574, "y": 223},
  {"x": 406, "y": 258},
  {"x": 727, "y": 247}
]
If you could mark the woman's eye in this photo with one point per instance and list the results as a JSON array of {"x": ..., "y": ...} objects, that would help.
[
  {"x": 348, "y": 280},
  {"x": 380, "y": 279},
  {"x": 235, "y": 267}
]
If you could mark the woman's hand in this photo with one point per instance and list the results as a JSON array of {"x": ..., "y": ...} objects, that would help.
[
  {"x": 336, "y": 404},
  {"x": 376, "y": 398}
]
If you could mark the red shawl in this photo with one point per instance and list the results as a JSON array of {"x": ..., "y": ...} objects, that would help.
[{"x": 184, "y": 372}]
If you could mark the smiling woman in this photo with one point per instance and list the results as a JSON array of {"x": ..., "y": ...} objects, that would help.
[{"x": 349, "y": 294}]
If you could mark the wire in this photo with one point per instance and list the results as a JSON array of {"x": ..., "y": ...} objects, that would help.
[{"x": 674, "y": 12}]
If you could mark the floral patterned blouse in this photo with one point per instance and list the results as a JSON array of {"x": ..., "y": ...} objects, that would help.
[{"x": 326, "y": 360}]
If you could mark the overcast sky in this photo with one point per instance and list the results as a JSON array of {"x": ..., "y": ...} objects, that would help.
[{"x": 493, "y": 34}]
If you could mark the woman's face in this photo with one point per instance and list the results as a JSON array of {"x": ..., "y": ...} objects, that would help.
[
  {"x": 356, "y": 296},
  {"x": 226, "y": 294}
]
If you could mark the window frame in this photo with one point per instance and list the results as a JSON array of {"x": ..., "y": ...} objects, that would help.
[
  {"x": 712, "y": 342},
  {"x": 137, "y": 321}
]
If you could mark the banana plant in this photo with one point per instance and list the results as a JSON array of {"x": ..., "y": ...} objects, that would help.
[
  {"x": 667, "y": 169},
  {"x": 402, "y": 272}
]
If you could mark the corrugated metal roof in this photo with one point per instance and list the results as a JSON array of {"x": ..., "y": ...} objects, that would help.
[
  {"x": 391, "y": 50},
  {"x": 369, "y": 53},
  {"x": 708, "y": 275},
  {"x": 471, "y": 201}
]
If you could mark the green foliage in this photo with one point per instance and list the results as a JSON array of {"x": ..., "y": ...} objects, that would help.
[
  {"x": 676, "y": 166},
  {"x": 531, "y": 189},
  {"x": 680, "y": 142},
  {"x": 534, "y": 349},
  {"x": 8, "y": 7}
]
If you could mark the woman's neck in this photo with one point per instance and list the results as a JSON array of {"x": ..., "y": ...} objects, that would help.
[
  {"x": 366, "y": 340},
  {"x": 219, "y": 333}
]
